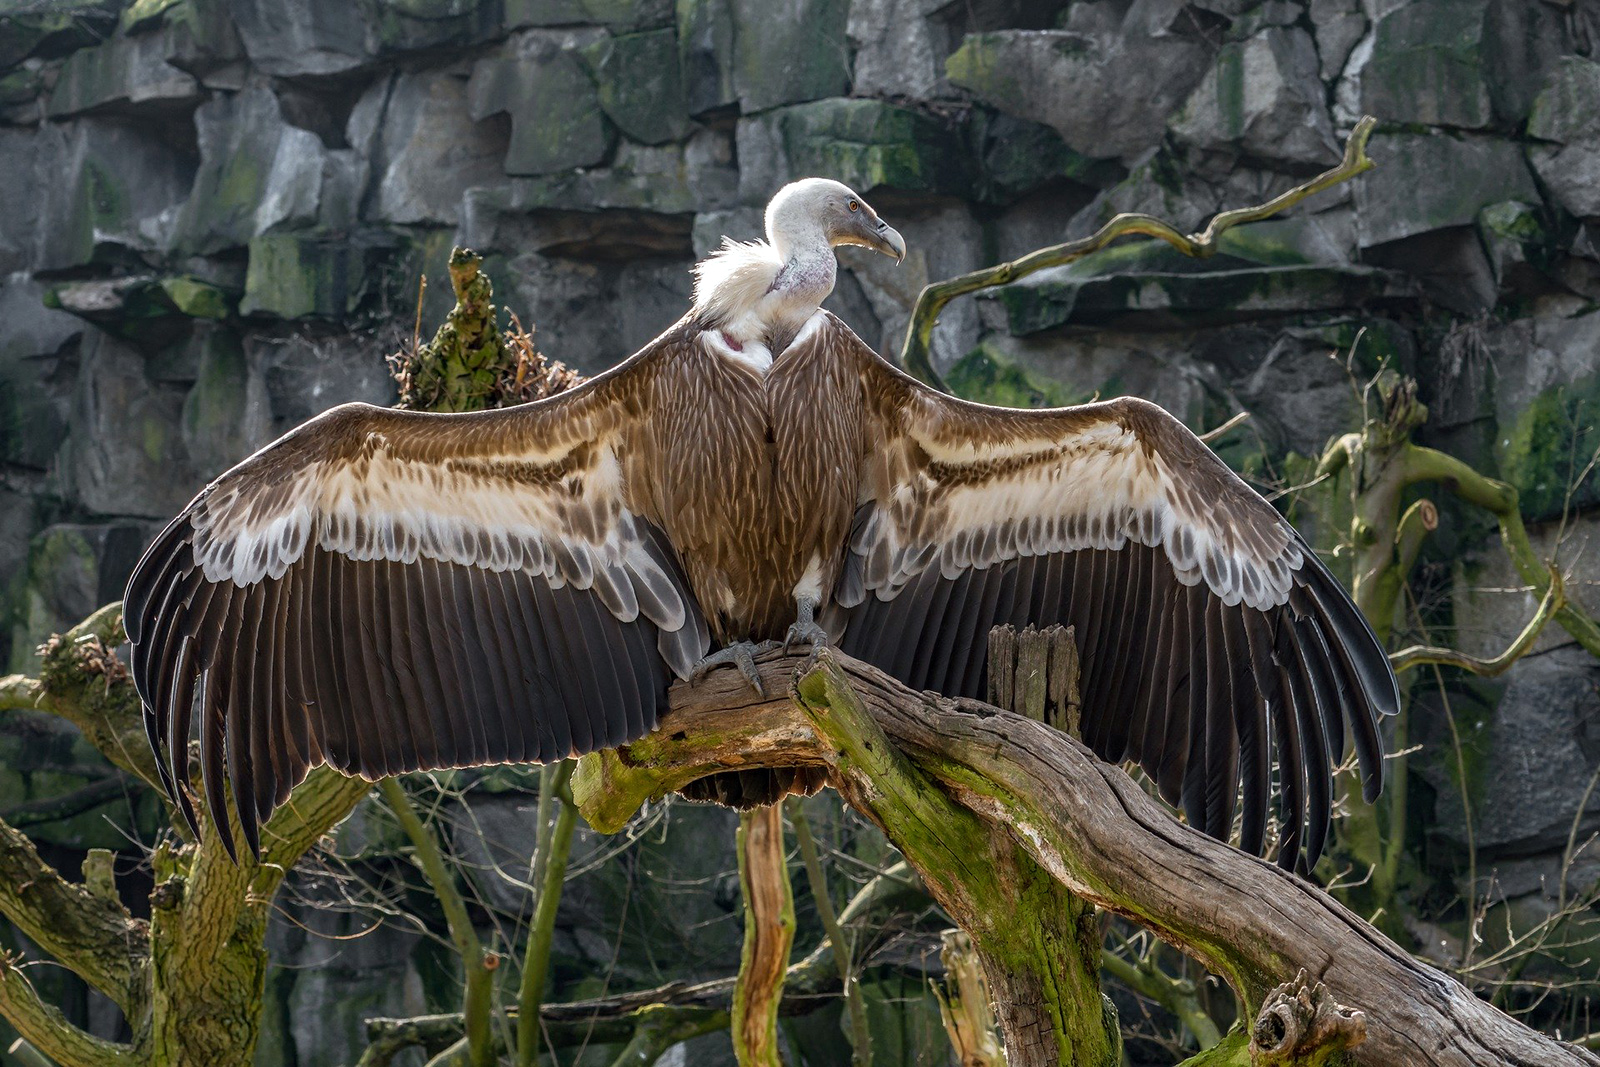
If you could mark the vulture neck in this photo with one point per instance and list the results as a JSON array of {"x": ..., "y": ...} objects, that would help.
[{"x": 762, "y": 294}]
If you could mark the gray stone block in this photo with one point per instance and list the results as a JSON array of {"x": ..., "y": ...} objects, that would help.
[
  {"x": 539, "y": 79},
  {"x": 1567, "y": 115},
  {"x": 257, "y": 173},
  {"x": 1262, "y": 97},
  {"x": 299, "y": 38},
  {"x": 640, "y": 84},
  {"x": 1465, "y": 63},
  {"x": 867, "y": 144},
  {"x": 900, "y": 47},
  {"x": 108, "y": 189},
  {"x": 789, "y": 51},
  {"x": 1079, "y": 84},
  {"x": 125, "y": 73},
  {"x": 429, "y": 151},
  {"x": 1430, "y": 181},
  {"x": 124, "y": 453}
]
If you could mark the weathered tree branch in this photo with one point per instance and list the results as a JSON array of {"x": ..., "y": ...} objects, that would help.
[
  {"x": 769, "y": 926},
  {"x": 965, "y": 1006},
  {"x": 1301, "y": 1025},
  {"x": 1085, "y": 823},
  {"x": 933, "y": 298},
  {"x": 47, "y": 1030},
  {"x": 90, "y": 933}
]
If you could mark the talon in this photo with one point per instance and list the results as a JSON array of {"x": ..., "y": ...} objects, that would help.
[
  {"x": 807, "y": 633},
  {"x": 741, "y": 655}
]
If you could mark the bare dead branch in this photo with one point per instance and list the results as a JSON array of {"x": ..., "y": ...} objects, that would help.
[
  {"x": 933, "y": 298},
  {"x": 1420, "y": 655}
]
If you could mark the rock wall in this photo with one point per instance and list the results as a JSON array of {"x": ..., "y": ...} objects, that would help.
[{"x": 216, "y": 213}]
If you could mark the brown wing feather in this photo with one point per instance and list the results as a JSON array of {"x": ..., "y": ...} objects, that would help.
[
  {"x": 1212, "y": 636},
  {"x": 386, "y": 591}
]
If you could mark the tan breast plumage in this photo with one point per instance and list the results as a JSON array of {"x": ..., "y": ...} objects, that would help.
[{"x": 756, "y": 477}]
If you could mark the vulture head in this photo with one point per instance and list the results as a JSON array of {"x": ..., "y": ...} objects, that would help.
[
  {"x": 816, "y": 210},
  {"x": 764, "y": 292}
]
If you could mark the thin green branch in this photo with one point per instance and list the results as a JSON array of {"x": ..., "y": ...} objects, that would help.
[
  {"x": 1177, "y": 995},
  {"x": 1418, "y": 655},
  {"x": 1500, "y": 499},
  {"x": 914, "y": 353},
  {"x": 860, "y": 1033},
  {"x": 477, "y": 966},
  {"x": 550, "y": 872}
]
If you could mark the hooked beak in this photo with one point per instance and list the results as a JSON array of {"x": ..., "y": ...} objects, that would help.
[
  {"x": 869, "y": 231},
  {"x": 889, "y": 242}
]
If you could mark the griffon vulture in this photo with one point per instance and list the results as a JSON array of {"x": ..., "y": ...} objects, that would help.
[{"x": 390, "y": 590}]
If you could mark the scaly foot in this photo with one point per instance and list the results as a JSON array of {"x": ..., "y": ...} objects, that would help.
[
  {"x": 741, "y": 654},
  {"x": 805, "y": 632}
]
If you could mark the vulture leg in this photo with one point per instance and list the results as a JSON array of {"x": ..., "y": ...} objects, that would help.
[
  {"x": 741, "y": 654},
  {"x": 805, "y": 630}
]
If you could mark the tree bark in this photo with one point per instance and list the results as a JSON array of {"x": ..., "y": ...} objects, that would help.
[
  {"x": 768, "y": 935},
  {"x": 989, "y": 781}
]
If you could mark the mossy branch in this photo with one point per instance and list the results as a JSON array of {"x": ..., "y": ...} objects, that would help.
[
  {"x": 914, "y": 352},
  {"x": 1500, "y": 499},
  {"x": 550, "y": 873},
  {"x": 956, "y": 783},
  {"x": 478, "y": 966},
  {"x": 88, "y": 932},
  {"x": 47, "y": 1029},
  {"x": 1555, "y": 599}
]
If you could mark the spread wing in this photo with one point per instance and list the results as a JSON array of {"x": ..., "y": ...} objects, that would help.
[
  {"x": 386, "y": 591},
  {"x": 1210, "y": 633}
]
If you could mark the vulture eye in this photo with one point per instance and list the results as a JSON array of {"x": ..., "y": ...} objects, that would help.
[{"x": 855, "y": 205}]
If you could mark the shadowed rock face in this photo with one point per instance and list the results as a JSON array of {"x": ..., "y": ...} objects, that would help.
[{"x": 216, "y": 213}]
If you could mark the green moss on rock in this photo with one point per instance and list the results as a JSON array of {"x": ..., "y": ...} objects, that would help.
[
  {"x": 989, "y": 377},
  {"x": 1546, "y": 448},
  {"x": 294, "y": 275},
  {"x": 640, "y": 84},
  {"x": 53, "y": 29},
  {"x": 868, "y": 144},
  {"x": 195, "y": 298}
]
